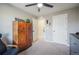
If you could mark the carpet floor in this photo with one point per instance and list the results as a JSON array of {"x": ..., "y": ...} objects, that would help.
[{"x": 42, "y": 47}]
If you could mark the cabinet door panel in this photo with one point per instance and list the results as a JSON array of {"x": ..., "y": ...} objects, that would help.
[
  {"x": 29, "y": 33},
  {"x": 22, "y": 34}
]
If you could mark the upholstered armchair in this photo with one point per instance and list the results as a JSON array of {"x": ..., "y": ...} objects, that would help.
[{"x": 9, "y": 49}]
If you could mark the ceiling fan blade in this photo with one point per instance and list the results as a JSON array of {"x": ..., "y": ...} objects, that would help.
[
  {"x": 47, "y": 5},
  {"x": 30, "y": 4}
]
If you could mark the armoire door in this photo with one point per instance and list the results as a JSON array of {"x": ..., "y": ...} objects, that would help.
[
  {"x": 29, "y": 35},
  {"x": 60, "y": 29},
  {"x": 22, "y": 43}
]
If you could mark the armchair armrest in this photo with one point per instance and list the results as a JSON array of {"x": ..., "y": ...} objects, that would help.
[{"x": 15, "y": 46}]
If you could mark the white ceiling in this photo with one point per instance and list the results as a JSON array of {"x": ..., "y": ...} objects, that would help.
[{"x": 45, "y": 10}]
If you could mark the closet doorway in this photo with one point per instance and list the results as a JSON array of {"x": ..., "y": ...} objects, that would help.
[{"x": 60, "y": 29}]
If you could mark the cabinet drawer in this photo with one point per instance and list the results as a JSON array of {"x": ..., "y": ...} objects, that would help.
[
  {"x": 73, "y": 48},
  {"x": 74, "y": 53},
  {"x": 73, "y": 39},
  {"x": 74, "y": 44}
]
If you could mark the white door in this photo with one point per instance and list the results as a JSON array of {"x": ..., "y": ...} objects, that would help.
[
  {"x": 41, "y": 25},
  {"x": 48, "y": 33},
  {"x": 60, "y": 29}
]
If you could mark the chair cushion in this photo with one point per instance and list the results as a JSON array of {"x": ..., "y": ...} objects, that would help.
[
  {"x": 11, "y": 51},
  {"x": 2, "y": 47}
]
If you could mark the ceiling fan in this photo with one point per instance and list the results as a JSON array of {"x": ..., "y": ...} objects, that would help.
[{"x": 39, "y": 5}]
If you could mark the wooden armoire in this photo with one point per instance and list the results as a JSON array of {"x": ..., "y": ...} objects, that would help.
[{"x": 22, "y": 34}]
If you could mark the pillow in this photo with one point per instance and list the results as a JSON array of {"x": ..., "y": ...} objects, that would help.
[{"x": 2, "y": 47}]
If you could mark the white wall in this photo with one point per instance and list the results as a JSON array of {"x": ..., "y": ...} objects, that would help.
[
  {"x": 73, "y": 21},
  {"x": 73, "y": 18},
  {"x": 7, "y": 15}
]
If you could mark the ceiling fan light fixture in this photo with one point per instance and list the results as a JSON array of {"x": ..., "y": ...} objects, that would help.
[{"x": 39, "y": 5}]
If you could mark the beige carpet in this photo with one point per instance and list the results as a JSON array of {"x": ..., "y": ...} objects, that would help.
[{"x": 42, "y": 47}]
